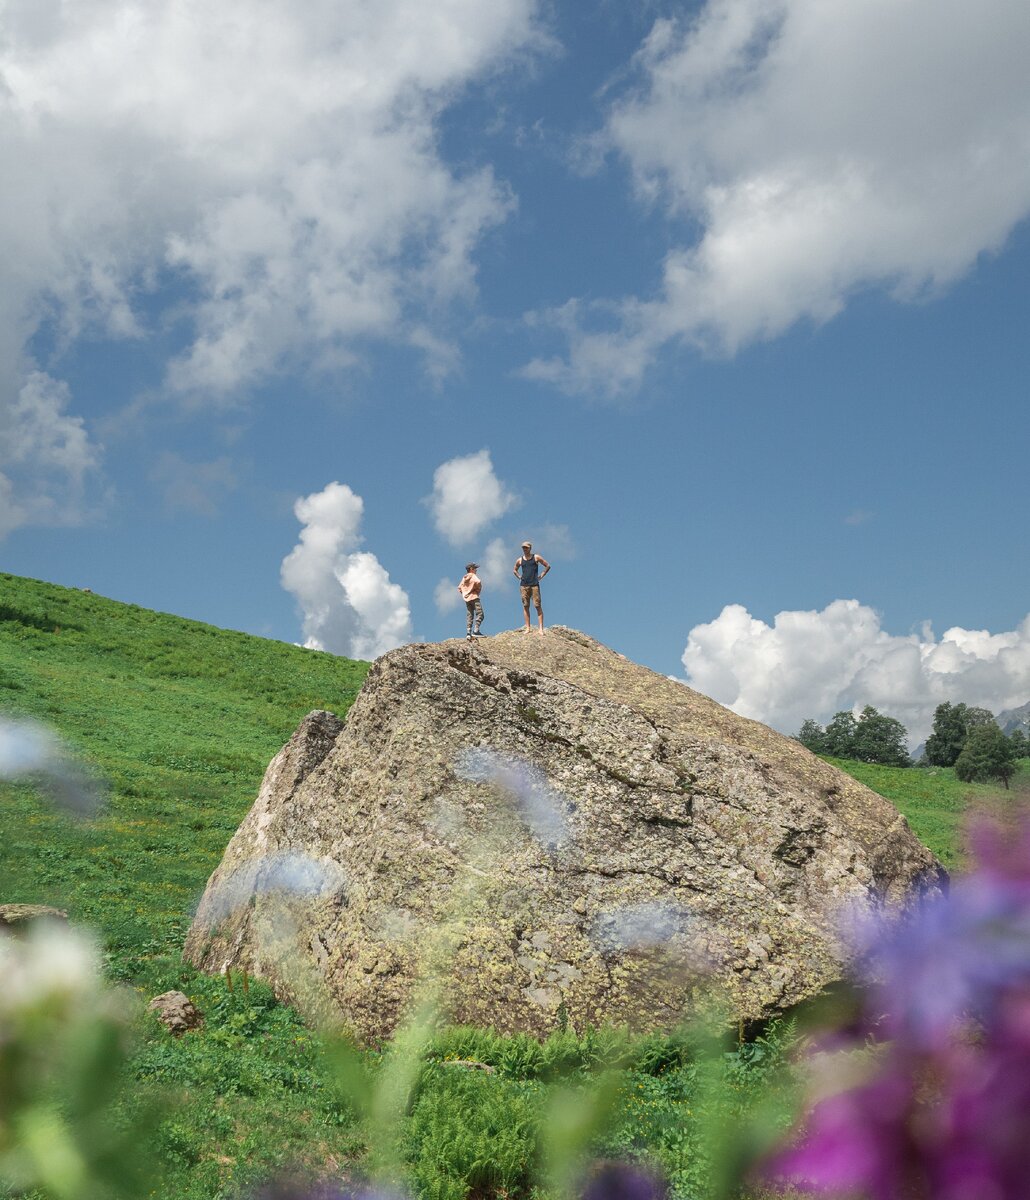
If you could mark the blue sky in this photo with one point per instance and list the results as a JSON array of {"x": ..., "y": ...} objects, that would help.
[{"x": 735, "y": 334}]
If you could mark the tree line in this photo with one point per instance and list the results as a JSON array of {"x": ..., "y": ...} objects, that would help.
[{"x": 964, "y": 737}]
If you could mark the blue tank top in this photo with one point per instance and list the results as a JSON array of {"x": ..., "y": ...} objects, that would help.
[{"x": 529, "y": 568}]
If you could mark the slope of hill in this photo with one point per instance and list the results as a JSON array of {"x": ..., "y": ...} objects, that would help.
[
  {"x": 937, "y": 804},
  {"x": 179, "y": 717}
]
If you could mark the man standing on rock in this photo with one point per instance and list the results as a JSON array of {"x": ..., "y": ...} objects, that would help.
[
  {"x": 527, "y": 572},
  {"x": 470, "y": 587}
]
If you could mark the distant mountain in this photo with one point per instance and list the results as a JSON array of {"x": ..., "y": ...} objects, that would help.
[{"x": 1015, "y": 718}]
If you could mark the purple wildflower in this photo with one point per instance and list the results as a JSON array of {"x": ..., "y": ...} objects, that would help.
[
  {"x": 946, "y": 1113},
  {"x": 858, "y": 1138},
  {"x": 623, "y": 1181},
  {"x": 955, "y": 957}
]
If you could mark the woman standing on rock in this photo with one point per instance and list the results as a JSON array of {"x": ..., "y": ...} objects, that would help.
[{"x": 470, "y": 587}]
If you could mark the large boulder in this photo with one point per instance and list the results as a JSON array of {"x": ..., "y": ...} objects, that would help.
[{"x": 556, "y": 833}]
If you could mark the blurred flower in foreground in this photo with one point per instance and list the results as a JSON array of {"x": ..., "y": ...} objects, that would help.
[
  {"x": 623, "y": 1181},
  {"x": 31, "y": 752},
  {"x": 289, "y": 873},
  {"x": 270, "y": 894},
  {"x": 62, "y": 1052},
  {"x": 943, "y": 1112},
  {"x": 642, "y": 926},
  {"x": 293, "y": 1190},
  {"x": 539, "y": 804}
]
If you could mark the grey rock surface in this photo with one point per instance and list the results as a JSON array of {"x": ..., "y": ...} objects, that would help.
[{"x": 554, "y": 833}]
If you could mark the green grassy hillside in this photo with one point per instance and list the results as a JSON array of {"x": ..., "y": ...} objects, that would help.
[
  {"x": 181, "y": 720},
  {"x": 937, "y": 804}
]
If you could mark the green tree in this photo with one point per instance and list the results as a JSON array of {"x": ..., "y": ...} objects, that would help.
[
  {"x": 952, "y": 725},
  {"x": 812, "y": 736},
  {"x": 839, "y": 738},
  {"x": 945, "y": 743},
  {"x": 1020, "y": 744},
  {"x": 881, "y": 739},
  {"x": 975, "y": 717},
  {"x": 987, "y": 754}
]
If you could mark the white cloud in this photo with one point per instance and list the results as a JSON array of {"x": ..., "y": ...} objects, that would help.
[
  {"x": 194, "y": 487},
  {"x": 550, "y": 540},
  {"x": 812, "y": 664},
  {"x": 498, "y": 560},
  {"x": 279, "y": 161},
  {"x": 49, "y": 466},
  {"x": 446, "y": 596},
  {"x": 347, "y": 602},
  {"x": 553, "y": 542},
  {"x": 819, "y": 147},
  {"x": 467, "y": 496}
]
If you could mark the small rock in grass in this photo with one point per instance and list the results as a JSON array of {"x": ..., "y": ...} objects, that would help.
[
  {"x": 177, "y": 1012},
  {"x": 17, "y": 917}
]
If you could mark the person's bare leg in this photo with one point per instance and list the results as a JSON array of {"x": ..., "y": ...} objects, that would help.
[
  {"x": 525, "y": 610},
  {"x": 539, "y": 619}
]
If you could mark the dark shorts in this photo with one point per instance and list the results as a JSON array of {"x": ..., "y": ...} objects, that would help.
[{"x": 530, "y": 593}]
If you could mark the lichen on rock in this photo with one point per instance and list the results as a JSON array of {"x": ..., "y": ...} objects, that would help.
[{"x": 555, "y": 833}]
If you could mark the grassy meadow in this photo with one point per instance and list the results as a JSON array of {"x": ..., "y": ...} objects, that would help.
[
  {"x": 938, "y": 805},
  {"x": 180, "y": 719}
]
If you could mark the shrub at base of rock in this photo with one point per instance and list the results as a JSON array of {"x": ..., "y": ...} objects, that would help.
[{"x": 557, "y": 835}]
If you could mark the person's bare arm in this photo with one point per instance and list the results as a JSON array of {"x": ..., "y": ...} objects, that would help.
[
  {"x": 544, "y": 563},
  {"x": 515, "y": 568}
]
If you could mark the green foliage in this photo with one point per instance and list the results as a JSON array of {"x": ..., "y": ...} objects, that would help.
[
  {"x": 872, "y": 738},
  {"x": 473, "y": 1133},
  {"x": 181, "y": 719},
  {"x": 676, "y": 1102},
  {"x": 812, "y": 736},
  {"x": 560, "y": 1055},
  {"x": 63, "y": 1040},
  {"x": 751, "y": 1062},
  {"x": 839, "y": 740},
  {"x": 987, "y": 754},
  {"x": 880, "y": 739},
  {"x": 952, "y": 724},
  {"x": 935, "y": 802},
  {"x": 1020, "y": 743}
]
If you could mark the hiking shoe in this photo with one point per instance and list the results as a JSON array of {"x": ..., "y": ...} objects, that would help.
[
  {"x": 476, "y": 633},
  {"x": 468, "y": 637}
]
